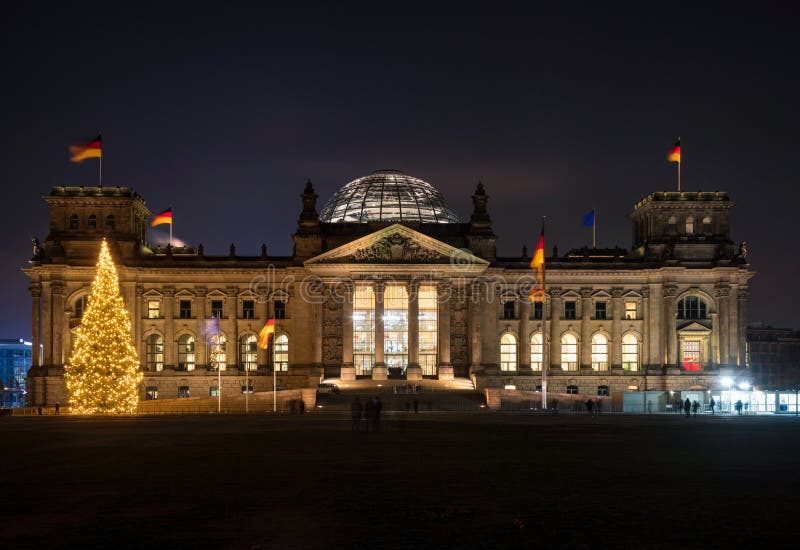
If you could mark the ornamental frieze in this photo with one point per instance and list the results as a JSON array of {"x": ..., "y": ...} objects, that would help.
[{"x": 395, "y": 248}]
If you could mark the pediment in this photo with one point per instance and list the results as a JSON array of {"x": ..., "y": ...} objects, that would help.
[
  {"x": 398, "y": 244},
  {"x": 216, "y": 293},
  {"x": 694, "y": 327}
]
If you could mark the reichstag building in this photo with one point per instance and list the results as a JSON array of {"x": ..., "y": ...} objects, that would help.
[{"x": 386, "y": 281}]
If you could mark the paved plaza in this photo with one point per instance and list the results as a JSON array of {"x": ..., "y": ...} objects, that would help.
[{"x": 477, "y": 480}]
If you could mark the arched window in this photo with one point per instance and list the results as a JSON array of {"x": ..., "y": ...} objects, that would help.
[
  {"x": 672, "y": 225},
  {"x": 599, "y": 352},
  {"x": 690, "y": 225},
  {"x": 248, "y": 352},
  {"x": 281, "y": 353},
  {"x": 186, "y": 352},
  {"x": 217, "y": 353},
  {"x": 692, "y": 307},
  {"x": 707, "y": 229},
  {"x": 630, "y": 352},
  {"x": 508, "y": 352},
  {"x": 73, "y": 221},
  {"x": 80, "y": 306},
  {"x": 110, "y": 222},
  {"x": 92, "y": 224},
  {"x": 537, "y": 351},
  {"x": 569, "y": 352},
  {"x": 155, "y": 353}
]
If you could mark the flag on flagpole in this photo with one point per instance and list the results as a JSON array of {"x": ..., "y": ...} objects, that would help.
[
  {"x": 164, "y": 217},
  {"x": 588, "y": 219},
  {"x": 675, "y": 152},
  {"x": 537, "y": 264},
  {"x": 266, "y": 332},
  {"x": 86, "y": 150}
]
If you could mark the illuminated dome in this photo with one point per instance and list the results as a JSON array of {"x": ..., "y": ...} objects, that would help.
[{"x": 388, "y": 196}]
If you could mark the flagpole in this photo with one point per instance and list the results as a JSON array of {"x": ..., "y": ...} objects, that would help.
[
  {"x": 594, "y": 229},
  {"x": 101, "y": 169},
  {"x": 544, "y": 332},
  {"x": 679, "y": 175}
]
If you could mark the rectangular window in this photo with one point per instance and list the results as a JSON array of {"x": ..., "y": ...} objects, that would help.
[
  {"x": 151, "y": 393},
  {"x": 183, "y": 391},
  {"x": 213, "y": 391},
  {"x": 428, "y": 329},
  {"x": 569, "y": 310},
  {"x": 280, "y": 309},
  {"x": 602, "y": 390},
  {"x": 216, "y": 308},
  {"x": 600, "y": 310},
  {"x": 691, "y": 355},
  {"x": 630, "y": 310},
  {"x": 185, "y": 309},
  {"x": 153, "y": 309},
  {"x": 537, "y": 310},
  {"x": 508, "y": 310},
  {"x": 247, "y": 389},
  {"x": 572, "y": 389},
  {"x": 363, "y": 329},
  {"x": 395, "y": 328},
  {"x": 248, "y": 309}
]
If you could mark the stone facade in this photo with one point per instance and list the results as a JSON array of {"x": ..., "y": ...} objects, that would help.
[{"x": 669, "y": 314}]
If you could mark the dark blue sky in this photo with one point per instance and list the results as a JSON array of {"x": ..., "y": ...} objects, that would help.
[{"x": 225, "y": 111}]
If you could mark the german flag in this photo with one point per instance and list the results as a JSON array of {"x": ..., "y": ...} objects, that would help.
[
  {"x": 86, "y": 150},
  {"x": 266, "y": 332},
  {"x": 164, "y": 217},
  {"x": 537, "y": 264},
  {"x": 675, "y": 152}
]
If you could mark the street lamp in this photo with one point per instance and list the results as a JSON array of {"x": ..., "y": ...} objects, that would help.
[{"x": 728, "y": 381}]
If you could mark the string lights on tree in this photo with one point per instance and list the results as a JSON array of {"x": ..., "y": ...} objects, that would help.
[{"x": 103, "y": 374}]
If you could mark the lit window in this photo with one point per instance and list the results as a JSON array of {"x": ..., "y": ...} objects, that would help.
[
  {"x": 691, "y": 355},
  {"x": 537, "y": 351},
  {"x": 630, "y": 352},
  {"x": 395, "y": 328},
  {"x": 73, "y": 221},
  {"x": 569, "y": 352},
  {"x": 363, "y": 329},
  {"x": 218, "y": 356},
  {"x": 213, "y": 391},
  {"x": 151, "y": 393},
  {"x": 602, "y": 391},
  {"x": 248, "y": 351},
  {"x": 569, "y": 310},
  {"x": 599, "y": 352},
  {"x": 216, "y": 308},
  {"x": 92, "y": 223},
  {"x": 247, "y": 389},
  {"x": 281, "y": 353},
  {"x": 428, "y": 329},
  {"x": 183, "y": 391},
  {"x": 186, "y": 352},
  {"x": 600, "y": 310},
  {"x": 572, "y": 389},
  {"x": 153, "y": 309},
  {"x": 248, "y": 309},
  {"x": 692, "y": 307},
  {"x": 508, "y": 352},
  {"x": 185, "y": 309},
  {"x": 690, "y": 225},
  {"x": 508, "y": 309},
  {"x": 154, "y": 353},
  {"x": 630, "y": 310}
]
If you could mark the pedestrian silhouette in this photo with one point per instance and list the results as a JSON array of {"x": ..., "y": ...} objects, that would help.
[
  {"x": 589, "y": 406},
  {"x": 58, "y": 406},
  {"x": 695, "y": 406},
  {"x": 712, "y": 403},
  {"x": 687, "y": 407}
]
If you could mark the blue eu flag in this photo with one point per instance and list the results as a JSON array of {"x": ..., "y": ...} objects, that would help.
[{"x": 588, "y": 218}]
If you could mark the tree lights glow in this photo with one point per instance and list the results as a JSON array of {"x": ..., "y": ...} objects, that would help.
[{"x": 103, "y": 374}]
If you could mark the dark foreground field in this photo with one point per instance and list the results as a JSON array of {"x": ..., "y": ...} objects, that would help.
[{"x": 455, "y": 481}]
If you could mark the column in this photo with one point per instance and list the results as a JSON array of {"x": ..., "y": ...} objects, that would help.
[
  {"x": 315, "y": 293},
  {"x": 585, "y": 359},
  {"x": 413, "y": 371},
  {"x": 524, "y": 336},
  {"x": 170, "y": 344},
  {"x": 231, "y": 347},
  {"x": 647, "y": 358},
  {"x": 47, "y": 324},
  {"x": 137, "y": 323},
  {"x": 201, "y": 344},
  {"x": 58, "y": 289},
  {"x": 616, "y": 328},
  {"x": 475, "y": 291},
  {"x": 444, "y": 369},
  {"x": 721, "y": 292},
  {"x": 263, "y": 314},
  {"x": 655, "y": 325},
  {"x": 348, "y": 371},
  {"x": 554, "y": 351},
  {"x": 379, "y": 371},
  {"x": 670, "y": 315},
  {"x": 36, "y": 297},
  {"x": 741, "y": 299},
  {"x": 733, "y": 326}
]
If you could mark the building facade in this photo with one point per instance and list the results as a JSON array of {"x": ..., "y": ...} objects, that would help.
[
  {"x": 15, "y": 360},
  {"x": 774, "y": 357},
  {"x": 387, "y": 281}
]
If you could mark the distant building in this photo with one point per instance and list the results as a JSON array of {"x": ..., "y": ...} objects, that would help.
[
  {"x": 774, "y": 357},
  {"x": 386, "y": 281},
  {"x": 15, "y": 360}
]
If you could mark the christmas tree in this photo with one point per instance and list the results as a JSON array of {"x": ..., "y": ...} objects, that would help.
[{"x": 103, "y": 374}]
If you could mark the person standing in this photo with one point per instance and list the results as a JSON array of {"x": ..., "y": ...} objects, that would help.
[
  {"x": 712, "y": 403},
  {"x": 695, "y": 406},
  {"x": 356, "y": 411},
  {"x": 687, "y": 407},
  {"x": 589, "y": 407},
  {"x": 58, "y": 407}
]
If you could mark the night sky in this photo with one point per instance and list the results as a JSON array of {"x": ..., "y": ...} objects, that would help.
[{"x": 224, "y": 112}]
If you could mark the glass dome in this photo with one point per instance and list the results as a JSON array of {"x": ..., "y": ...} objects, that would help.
[{"x": 389, "y": 196}]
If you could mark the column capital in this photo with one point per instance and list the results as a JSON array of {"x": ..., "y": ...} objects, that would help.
[
  {"x": 58, "y": 288},
  {"x": 232, "y": 291},
  {"x": 742, "y": 293},
  {"x": 378, "y": 287},
  {"x": 645, "y": 292},
  {"x": 586, "y": 292},
  {"x": 35, "y": 289},
  {"x": 168, "y": 291},
  {"x": 201, "y": 291},
  {"x": 139, "y": 290},
  {"x": 554, "y": 292},
  {"x": 670, "y": 290},
  {"x": 617, "y": 291}
]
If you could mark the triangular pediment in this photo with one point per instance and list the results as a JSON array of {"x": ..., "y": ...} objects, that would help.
[
  {"x": 694, "y": 327},
  {"x": 398, "y": 244}
]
